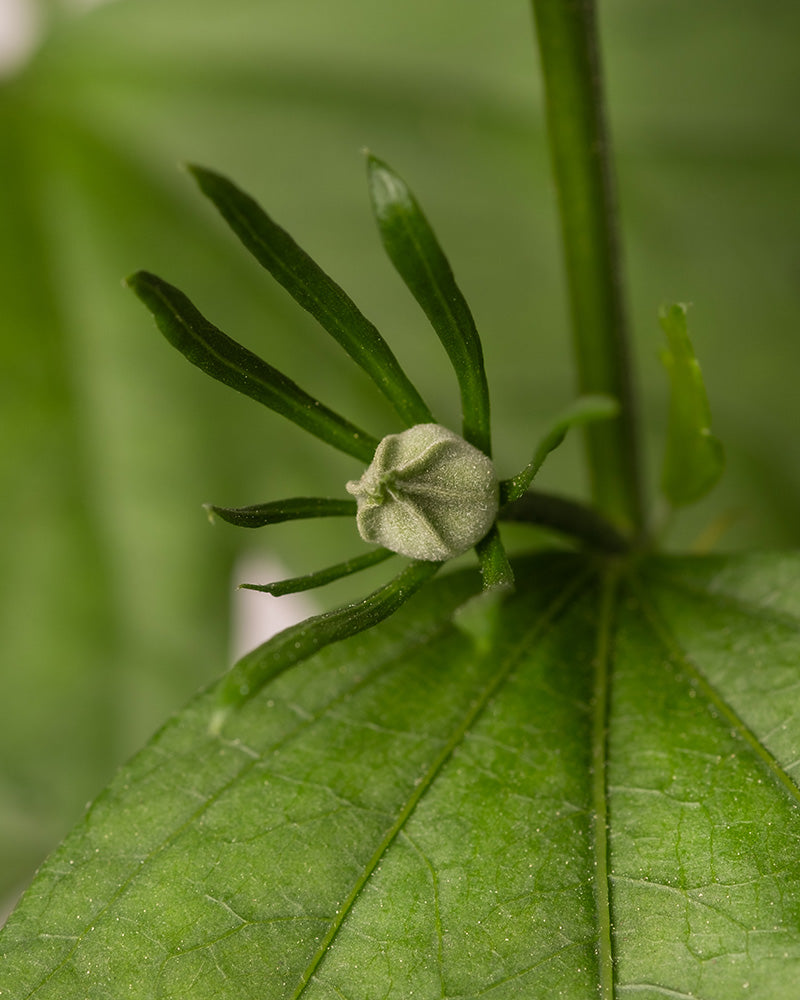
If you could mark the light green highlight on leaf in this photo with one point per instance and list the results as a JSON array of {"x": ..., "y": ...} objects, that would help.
[
  {"x": 415, "y": 252},
  {"x": 293, "y": 509},
  {"x": 315, "y": 291},
  {"x": 215, "y": 353},
  {"x": 322, "y": 576},
  {"x": 427, "y": 494},
  {"x": 694, "y": 458},
  {"x": 584, "y": 410}
]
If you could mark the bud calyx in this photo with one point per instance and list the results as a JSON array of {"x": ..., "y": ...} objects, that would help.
[{"x": 427, "y": 494}]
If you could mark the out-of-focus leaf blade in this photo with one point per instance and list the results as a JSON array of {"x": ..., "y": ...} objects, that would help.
[
  {"x": 693, "y": 457},
  {"x": 415, "y": 252},
  {"x": 216, "y": 354},
  {"x": 606, "y": 792},
  {"x": 311, "y": 287}
]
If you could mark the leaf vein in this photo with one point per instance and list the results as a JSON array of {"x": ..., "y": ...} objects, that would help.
[
  {"x": 665, "y": 634},
  {"x": 600, "y": 843}
]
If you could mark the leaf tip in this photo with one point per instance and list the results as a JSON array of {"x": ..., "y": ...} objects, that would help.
[
  {"x": 143, "y": 281},
  {"x": 133, "y": 280},
  {"x": 673, "y": 318},
  {"x": 146, "y": 287},
  {"x": 205, "y": 179},
  {"x": 193, "y": 169},
  {"x": 383, "y": 181},
  {"x": 261, "y": 588}
]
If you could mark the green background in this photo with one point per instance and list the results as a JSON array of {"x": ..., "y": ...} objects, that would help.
[{"x": 114, "y": 591}]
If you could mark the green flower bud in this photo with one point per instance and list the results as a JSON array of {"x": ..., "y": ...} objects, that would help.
[{"x": 427, "y": 494}]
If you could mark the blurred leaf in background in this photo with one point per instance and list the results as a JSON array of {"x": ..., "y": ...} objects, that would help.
[{"x": 114, "y": 590}]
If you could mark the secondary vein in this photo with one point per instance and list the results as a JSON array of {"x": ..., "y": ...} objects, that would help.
[{"x": 665, "y": 634}]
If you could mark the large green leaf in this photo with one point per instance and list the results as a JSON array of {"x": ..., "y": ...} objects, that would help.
[{"x": 605, "y": 801}]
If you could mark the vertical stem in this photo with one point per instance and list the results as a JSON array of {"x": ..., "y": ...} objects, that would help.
[{"x": 567, "y": 36}]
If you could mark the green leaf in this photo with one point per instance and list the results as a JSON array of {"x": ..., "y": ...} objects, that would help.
[
  {"x": 311, "y": 287},
  {"x": 415, "y": 252},
  {"x": 584, "y": 410},
  {"x": 605, "y": 802},
  {"x": 322, "y": 576},
  {"x": 216, "y": 354},
  {"x": 693, "y": 459},
  {"x": 294, "y": 509}
]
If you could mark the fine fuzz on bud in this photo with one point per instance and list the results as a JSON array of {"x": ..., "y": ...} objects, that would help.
[{"x": 428, "y": 494}]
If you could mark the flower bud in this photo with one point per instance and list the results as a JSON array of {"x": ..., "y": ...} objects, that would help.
[{"x": 427, "y": 494}]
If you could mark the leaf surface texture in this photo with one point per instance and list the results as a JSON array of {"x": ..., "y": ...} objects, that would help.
[{"x": 401, "y": 815}]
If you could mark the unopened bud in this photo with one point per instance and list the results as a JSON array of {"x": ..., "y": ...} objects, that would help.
[{"x": 427, "y": 494}]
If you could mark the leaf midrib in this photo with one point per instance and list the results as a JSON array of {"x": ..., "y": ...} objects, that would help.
[{"x": 600, "y": 840}]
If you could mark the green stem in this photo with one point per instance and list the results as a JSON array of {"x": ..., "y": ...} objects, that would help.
[
  {"x": 603, "y": 661},
  {"x": 496, "y": 571},
  {"x": 568, "y": 517},
  {"x": 567, "y": 36}
]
